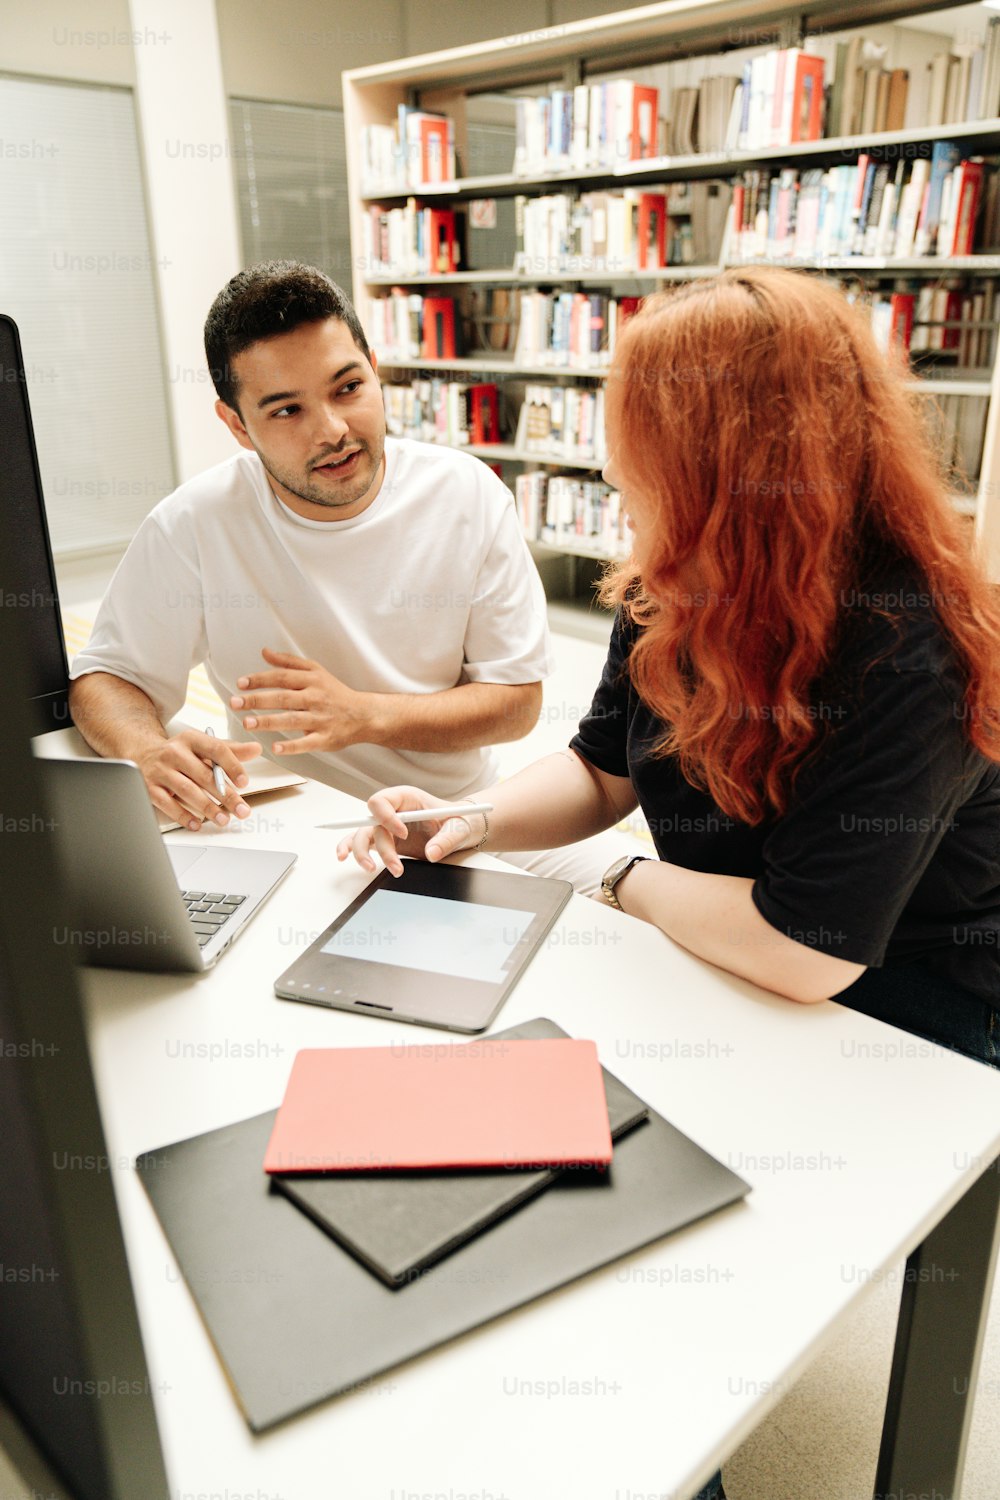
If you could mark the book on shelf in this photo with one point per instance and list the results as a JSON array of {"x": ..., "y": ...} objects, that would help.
[
  {"x": 484, "y": 413},
  {"x": 892, "y": 321},
  {"x": 441, "y": 411},
  {"x": 438, "y": 340},
  {"x": 683, "y": 132},
  {"x": 782, "y": 99},
  {"x": 716, "y": 126},
  {"x": 651, "y": 231},
  {"x": 562, "y": 422},
  {"x": 918, "y": 208},
  {"x": 417, "y": 151},
  {"x": 630, "y": 229},
  {"x": 406, "y": 325},
  {"x": 566, "y": 511},
  {"x": 591, "y": 125},
  {"x": 411, "y": 240}
]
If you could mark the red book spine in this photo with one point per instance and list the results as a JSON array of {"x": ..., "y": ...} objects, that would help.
[
  {"x": 485, "y": 414},
  {"x": 807, "y": 99},
  {"x": 433, "y": 150},
  {"x": 441, "y": 231},
  {"x": 970, "y": 182},
  {"x": 901, "y": 319},
  {"x": 439, "y": 328},
  {"x": 736, "y": 238},
  {"x": 645, "y": 103},
  {"x": 652, "y": 231}
]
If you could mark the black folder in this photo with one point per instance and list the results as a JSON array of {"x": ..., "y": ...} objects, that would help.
[
  {"x": 296, "y": 1319},
  {"x": 398, "y": 1224}
]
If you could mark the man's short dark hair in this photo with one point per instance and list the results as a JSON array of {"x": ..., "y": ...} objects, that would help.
[{"x": 272, "y": 297}]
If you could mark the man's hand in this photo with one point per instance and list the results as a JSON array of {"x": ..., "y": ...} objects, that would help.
[
  {"x": 302, "y": 698},
  {"x": 178, "y": 777}
]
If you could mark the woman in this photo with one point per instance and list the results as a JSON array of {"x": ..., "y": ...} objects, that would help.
[
  {"x": 802, "y": 686},
  {"x": 803, "y": 681}
]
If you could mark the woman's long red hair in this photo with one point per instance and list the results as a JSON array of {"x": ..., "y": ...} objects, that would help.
[{"x": 771, "y": 450}]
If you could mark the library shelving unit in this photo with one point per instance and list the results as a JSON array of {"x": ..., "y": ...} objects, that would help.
[{"x": 610, "y": 46}]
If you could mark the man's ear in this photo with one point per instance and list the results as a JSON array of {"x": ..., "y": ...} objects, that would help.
[{"x": 231, "y": 417}]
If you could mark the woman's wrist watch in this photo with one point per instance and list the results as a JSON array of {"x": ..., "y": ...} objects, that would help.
[{"x": 617, "y": 872}]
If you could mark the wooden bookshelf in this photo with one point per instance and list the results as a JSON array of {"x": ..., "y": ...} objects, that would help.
[{"x": 612, "y": 45}]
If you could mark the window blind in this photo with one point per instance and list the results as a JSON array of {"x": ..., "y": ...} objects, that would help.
[{"x": 290, "y": 163}]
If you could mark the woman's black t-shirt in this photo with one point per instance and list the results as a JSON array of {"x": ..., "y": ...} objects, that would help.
[{"x": 889, "y": 851}]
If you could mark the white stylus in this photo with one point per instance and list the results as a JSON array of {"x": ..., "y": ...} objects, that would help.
[{"x": 418, "y": 815}]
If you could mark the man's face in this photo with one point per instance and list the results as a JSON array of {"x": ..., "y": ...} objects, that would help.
[{"x": 311, "y": 408}]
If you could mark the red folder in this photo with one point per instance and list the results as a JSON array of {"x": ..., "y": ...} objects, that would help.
[{"x": 501, "y": 1103}]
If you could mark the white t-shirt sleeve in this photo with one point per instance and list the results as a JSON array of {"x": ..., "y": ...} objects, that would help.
[
  {"x": 507, "y": 639},
  {"x": 150, "y": 628}
]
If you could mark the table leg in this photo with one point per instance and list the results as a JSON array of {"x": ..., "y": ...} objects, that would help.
[{"x": 939, "y": 1341}]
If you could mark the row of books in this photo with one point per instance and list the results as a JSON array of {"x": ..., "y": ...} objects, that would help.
[
  {"x": 918, "y": 208},
  {"x": 415, "y": 152},
  {"x": 407, "y": 325},
  {"x": 780, "y": 99},
  {"x": 443, "y": 411},
  {"x": 865, "y": 96},
  {"x": 412, "y": 240},
  {"x": 963, "y": 83},
  {"x": 957, "y": 319},
  {"x": 562, "y": 422},
  {"x": 952, "y": 324},
  {"x": 577, "y": 329},
  {"x": 570, "y": 512},
  {"x": 622, "y": 231},
  {"x": 592, "y": 125},
  {"x": 561, "y": 329}
]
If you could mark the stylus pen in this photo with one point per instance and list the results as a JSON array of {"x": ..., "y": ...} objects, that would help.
[
  {"x": 220, "y": 780},
  {"x": 419, "y": 815}
]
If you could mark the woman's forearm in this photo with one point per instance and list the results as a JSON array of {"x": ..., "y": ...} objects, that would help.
[{"x": 555, "y": 801}]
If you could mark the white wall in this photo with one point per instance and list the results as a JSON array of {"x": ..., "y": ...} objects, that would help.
[
  {"x": 64, "y": 39},
  {"x": 192, "y": 208}
]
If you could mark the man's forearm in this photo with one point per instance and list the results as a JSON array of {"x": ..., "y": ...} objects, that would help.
[
  {"x": 115, "y": 717},
  {"x": 459, "y": 718}
]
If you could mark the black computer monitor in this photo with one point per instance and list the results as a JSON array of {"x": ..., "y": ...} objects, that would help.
[
  {"x": 72, "y": 1367},
  {"x": 28, "y": 580}
]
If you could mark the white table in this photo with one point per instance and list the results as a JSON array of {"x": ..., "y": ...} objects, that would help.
[{"x": 637, "y": 1380}]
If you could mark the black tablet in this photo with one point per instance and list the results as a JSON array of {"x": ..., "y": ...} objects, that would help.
[{"x": 441, "y": 945}]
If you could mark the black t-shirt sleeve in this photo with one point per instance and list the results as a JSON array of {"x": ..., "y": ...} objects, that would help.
[
  {"x": 602, "y": 737},
  {"x": 866, "y": 817}
]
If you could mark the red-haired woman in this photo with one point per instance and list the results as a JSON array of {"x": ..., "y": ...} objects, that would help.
[{"x": 804, "y": 668}]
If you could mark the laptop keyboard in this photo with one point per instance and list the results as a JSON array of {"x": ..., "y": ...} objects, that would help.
[{"x": 209, "y": 911}]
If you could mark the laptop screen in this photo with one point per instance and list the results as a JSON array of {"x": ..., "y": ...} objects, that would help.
[{"x": 28, "y": 584}]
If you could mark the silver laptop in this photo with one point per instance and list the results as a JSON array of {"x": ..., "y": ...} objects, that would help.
[{"x": 133, "y": 902}]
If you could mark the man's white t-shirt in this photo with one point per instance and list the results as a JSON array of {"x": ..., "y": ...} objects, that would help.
[{"x": 430, "y": 587}]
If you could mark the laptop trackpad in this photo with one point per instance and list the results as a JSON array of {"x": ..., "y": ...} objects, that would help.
[{"x": 182, "y": 857}]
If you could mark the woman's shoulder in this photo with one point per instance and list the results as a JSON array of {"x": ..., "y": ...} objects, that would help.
[{"x": 890, "y": 623}]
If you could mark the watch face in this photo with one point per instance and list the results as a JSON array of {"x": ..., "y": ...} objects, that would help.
[{"x": 617, "y": 869}]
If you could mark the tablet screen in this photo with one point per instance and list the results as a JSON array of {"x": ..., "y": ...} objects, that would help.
[
  {"x": 441, "y": 945},
  {"x": 463, "y": 939}
]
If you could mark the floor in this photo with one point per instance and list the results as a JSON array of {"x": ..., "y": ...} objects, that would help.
[{"x": 821, "y": 1441}]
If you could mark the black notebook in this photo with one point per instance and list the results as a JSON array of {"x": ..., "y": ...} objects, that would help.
[
  {"x": 296, "y": 1319},
  {"x": 397, "y": 1223}
]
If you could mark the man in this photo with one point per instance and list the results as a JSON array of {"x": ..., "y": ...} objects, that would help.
[{"x": 365, "y": 606}]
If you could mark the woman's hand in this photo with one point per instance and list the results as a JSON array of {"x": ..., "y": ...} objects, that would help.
[{"x": 431, "y": 839}]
